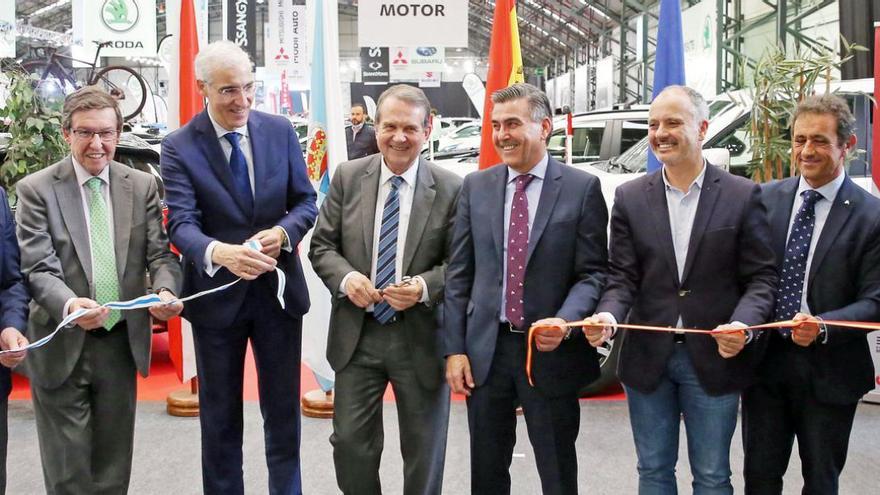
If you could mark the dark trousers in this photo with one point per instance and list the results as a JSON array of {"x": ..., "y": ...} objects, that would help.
[
  {"x": 777, "y": 411},
  {"x": 4, "y": 438},
  {"x": 85, "y": 426},
  {"x": 552, "y": 423},
  {"x": 275, "y": 338},
  {"x": 382, "y": 357}
]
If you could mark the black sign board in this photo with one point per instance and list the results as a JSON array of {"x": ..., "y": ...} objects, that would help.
[
  {"x": 374, "y": 65},
  {"x": 241, "y": 25}
]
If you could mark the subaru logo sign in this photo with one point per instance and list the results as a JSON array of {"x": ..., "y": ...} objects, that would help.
[{"x": 426, "y": 51}]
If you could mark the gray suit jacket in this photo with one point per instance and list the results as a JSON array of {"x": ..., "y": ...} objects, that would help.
[
  {"x": 343, "y": 241},
  {"x": 56, "y": 263}
]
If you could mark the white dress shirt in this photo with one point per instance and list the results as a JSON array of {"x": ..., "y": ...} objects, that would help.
[{"x": 405, "y": 194}]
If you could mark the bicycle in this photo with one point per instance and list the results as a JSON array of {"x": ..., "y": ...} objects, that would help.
[{"x": 123, "y": 83}]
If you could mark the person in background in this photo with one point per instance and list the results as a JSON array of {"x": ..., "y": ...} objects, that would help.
[{"x": 360, "y": 137}]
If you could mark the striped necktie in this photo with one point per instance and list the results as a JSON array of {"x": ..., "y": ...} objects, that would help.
[{"x": 386, "y": 259}]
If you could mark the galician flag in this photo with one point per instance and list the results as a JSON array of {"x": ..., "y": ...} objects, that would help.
[
  {"x": 326, "y": 150},
  {"x": 505, "y": 68}
]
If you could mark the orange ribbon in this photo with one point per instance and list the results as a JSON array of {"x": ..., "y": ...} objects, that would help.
[{"x": 856, "y": 325}]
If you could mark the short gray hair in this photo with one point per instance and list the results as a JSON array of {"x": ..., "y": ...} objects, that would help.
[
  {"x": 832, "y": 105},
  {"x": 222, "y": 54},
  {"x": 539, "y": 104},
  {"x": 701, "y": 108},
  {"x": 408, "y": 94}
]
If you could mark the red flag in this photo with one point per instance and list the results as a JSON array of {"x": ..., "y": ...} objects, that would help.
[
  {"x": 505, "y": 68},
  {"x": 875, "y": 131},
  {"x": 191, "y": 101}
]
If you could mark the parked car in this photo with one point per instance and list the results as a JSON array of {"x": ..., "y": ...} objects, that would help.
[{"x": 599, "y": 135}]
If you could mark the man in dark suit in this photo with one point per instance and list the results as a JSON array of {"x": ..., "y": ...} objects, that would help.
[
  {"x": 234, "y": 175},
  {"x": 360, "y": 137},
  {"x": 529, "y": 247},
  {"x": 689, "y": 249},
  {"x": 13, "y": 319},
  {"x": 826, "y": 234},
  {"x": 387, "y": 221},
  {"x": 90, "y": 229}
]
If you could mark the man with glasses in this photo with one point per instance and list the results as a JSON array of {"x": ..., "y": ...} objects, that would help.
[
  {"x": 89, "y": 230},
  {"x": 236, "y": 176}
]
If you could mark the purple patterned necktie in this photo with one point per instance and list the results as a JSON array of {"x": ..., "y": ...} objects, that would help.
[{"x": 517, "y": 249}]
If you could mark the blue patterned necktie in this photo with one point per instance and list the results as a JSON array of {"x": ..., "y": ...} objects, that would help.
[
  {"x": 791, "y": 280},
  {"x": 238, "y": 165},
  {"x": 386, "y": 259}
]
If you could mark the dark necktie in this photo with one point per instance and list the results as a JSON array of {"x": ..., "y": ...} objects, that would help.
[
  {"x": 386, "y": 259},
  {"x": 517, "y": 249},
  {"x": 238, "y": 165},
  {"x": 791, "y": 280}
]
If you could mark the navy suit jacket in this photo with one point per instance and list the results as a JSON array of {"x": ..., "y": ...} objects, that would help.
[
  {"x": 844, "y": 284},
  {"x": 13, "y": 294},
  {"x": 565, "y": 271},
  {"x": 729, "y": 275},
  {"x": 203, "y": 206}
]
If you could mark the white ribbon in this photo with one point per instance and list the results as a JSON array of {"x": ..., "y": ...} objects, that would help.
[{"x": 148, "y": 301}]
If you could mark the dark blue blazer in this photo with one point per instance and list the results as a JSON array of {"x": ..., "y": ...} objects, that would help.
[
  {"x": 844, "y": 284},
  {"x": 729, "y": 275},
  {"x": 203, "y": 206},
  {"x": 13, "y": 294},
  {"x": 565, "y": 272}
]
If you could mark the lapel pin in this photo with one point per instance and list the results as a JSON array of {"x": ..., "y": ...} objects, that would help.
[{"x": 846, "y": 203}]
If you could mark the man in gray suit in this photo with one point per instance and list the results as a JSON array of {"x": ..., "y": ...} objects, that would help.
[
  {"x": 90, "y": 229},
  {"x": 380, "y": 245}
]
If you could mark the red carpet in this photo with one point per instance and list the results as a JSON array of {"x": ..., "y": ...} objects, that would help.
[{"x": 163, "y": 380}]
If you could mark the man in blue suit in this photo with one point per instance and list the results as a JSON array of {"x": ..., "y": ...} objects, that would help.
[
  {"x": 528, "y": 247},
  {"x": 233, "y": 175},
  {"x": 825, "y": 231},
  {"x": 13, "y": 318}
]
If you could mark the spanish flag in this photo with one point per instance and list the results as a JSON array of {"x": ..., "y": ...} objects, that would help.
[{"x": 505, "y": 68}]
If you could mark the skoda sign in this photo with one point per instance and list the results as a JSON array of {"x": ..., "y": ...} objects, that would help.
[{"x": 120, "y": 15}]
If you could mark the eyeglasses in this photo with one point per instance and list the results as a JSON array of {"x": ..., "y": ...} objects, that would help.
[
  {"x": 233, "y": 92},
  {"x": 88, "y": 135}
]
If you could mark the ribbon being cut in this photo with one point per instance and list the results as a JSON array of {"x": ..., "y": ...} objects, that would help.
[
  {"x": 855, "y": 325},
  {"x": 148, "y": 301}
]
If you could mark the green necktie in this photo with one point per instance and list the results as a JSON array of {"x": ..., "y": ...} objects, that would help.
[{"x": 103, "y": 257}]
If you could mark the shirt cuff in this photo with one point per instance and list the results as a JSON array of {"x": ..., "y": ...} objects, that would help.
[
  {"x": 750, "y": 335},
  {"x": 822, "y": 338},
  {"x": 210, "y": 268},
  {"x": 285, "y": 244},
  {"x": 611, "y": 317},
  {"x": 424, "y": 299},
  {"x": 341, "y": 292},
  {"x": 66, "y": 311}
]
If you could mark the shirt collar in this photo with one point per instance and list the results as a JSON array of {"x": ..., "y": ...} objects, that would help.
[
  {"x": 222, "y": 131},
  {"x": 409, "y": 176},
  {"x": 357, "y": 128},
  {"x": 828, "y": 191},
  {"x": 83, "y": 175},
  {"x": 698, "y": 180},
  {"x": 539, "y": 170}
]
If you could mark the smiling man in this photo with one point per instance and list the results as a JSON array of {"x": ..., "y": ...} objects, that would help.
[
  {"x": 529, "y": 247},
  {"x": 89, "y": 230},
  {"x": 826, "y": 234},
  {"x": 232, "y": 175},
  {"x": 689, "y": 249},
  {"x": 381, "y": 245}
]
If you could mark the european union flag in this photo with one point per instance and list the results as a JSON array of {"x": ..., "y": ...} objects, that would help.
[{"x": 669, "y": 57}]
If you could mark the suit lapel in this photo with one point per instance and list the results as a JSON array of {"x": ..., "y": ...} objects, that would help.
[
  {"x": 844, "y": 205},
  {"x": 549, "y": 194},
  {"x": 423, "y": 201},
  {"x": 121, "y": 192},
  {"x": 780, "y": 216},
  {"x": 67, "y": 191},
  {"x": 260, "y": 148},
  {"x": 708, "y": 198},
  {"x": 369, "y": 185},
  {"x": 655, "y": 196},
  {"x": 496, "y": 208},
  {"x": 217, "y": 160}
]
